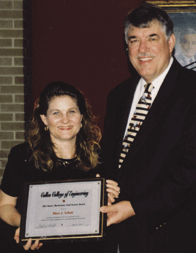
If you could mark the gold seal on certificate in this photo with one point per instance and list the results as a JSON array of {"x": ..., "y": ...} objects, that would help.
[{"x": 63, "y": 210}]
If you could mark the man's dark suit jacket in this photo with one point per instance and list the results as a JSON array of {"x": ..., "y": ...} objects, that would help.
[{"x": 158, "y": 175}]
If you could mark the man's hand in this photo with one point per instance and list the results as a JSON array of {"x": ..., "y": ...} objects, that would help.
[{"x": 118, "y": 212}]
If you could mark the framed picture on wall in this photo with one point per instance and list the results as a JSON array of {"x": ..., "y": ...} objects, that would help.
[{"x": 183, "y": 15}]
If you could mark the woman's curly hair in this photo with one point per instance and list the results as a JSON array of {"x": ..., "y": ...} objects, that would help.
[{"x": 87, "y": 141}]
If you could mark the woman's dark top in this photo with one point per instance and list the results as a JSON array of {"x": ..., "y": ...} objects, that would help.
[{"x": 20, "y": 169}]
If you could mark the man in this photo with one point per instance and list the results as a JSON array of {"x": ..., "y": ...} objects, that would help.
[
  {"x": 154, "y": 161},
  {"x": 187, "y": 56}
]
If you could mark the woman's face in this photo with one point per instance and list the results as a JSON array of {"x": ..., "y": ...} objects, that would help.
[{"x": 63, "y": 119}]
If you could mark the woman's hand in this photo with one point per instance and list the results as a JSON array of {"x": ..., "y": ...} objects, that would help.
[
  {"x": 28, "y": 245},
  {"x": 113, "y": 191}
]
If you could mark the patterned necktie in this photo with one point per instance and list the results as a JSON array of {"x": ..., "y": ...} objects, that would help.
[{"x": 138, "y": 118}]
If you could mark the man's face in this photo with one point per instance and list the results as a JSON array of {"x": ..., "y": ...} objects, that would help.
[
  {"x": 188, "y": 45},
  {"x": 149, "y": 50}
]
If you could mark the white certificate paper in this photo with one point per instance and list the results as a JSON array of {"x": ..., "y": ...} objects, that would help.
[{"x": 64, "y": 209}]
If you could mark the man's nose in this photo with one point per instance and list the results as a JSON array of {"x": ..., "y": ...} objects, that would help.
[{"x": 143, "y": 47}]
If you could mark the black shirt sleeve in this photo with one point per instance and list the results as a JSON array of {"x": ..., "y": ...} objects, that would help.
[{"x": 12, "y": 179}]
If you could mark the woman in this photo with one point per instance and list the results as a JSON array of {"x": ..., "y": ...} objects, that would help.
[{"x": 62, "y": 143}]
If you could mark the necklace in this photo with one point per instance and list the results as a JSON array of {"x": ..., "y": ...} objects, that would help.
[{"x": 66, "y": 162}]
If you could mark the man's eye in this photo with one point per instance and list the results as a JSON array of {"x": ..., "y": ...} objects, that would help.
[
  {"x": 153, "y": 39},
  {"x": 132, "y": 41}
]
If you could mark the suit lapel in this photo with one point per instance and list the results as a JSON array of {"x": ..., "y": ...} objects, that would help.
[
  {"x": 124, "y": 109},
  {"x": 127, "y": 105},
  {"x": 160, "y": 104}
]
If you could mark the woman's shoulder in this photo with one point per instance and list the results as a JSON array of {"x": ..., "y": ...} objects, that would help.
[{"x": 21, "y": 150}]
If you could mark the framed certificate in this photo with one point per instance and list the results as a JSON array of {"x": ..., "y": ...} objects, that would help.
[{"x": 66, "y": 210}]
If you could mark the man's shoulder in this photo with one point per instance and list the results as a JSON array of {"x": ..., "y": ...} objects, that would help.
[
  {"x": 188, "y": 76},
  {"x": 124, "y": 86},
  {"x": 185, "y": 76}
]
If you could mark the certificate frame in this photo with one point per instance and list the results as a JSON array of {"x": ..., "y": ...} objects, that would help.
[
  {"x": 183, "y": 15},
  {"x": 65, "y": 210}
]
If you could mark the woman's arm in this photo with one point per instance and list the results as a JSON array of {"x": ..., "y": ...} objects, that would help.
[
  {"x": 11, "y": 216},
  {"x": 8, "y": 211}
]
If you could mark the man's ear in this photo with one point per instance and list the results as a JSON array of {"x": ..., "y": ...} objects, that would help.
[{"x": 172, "y": 41}]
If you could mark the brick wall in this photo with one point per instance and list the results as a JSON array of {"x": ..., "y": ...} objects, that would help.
[{"x": 13, "y": 74}]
